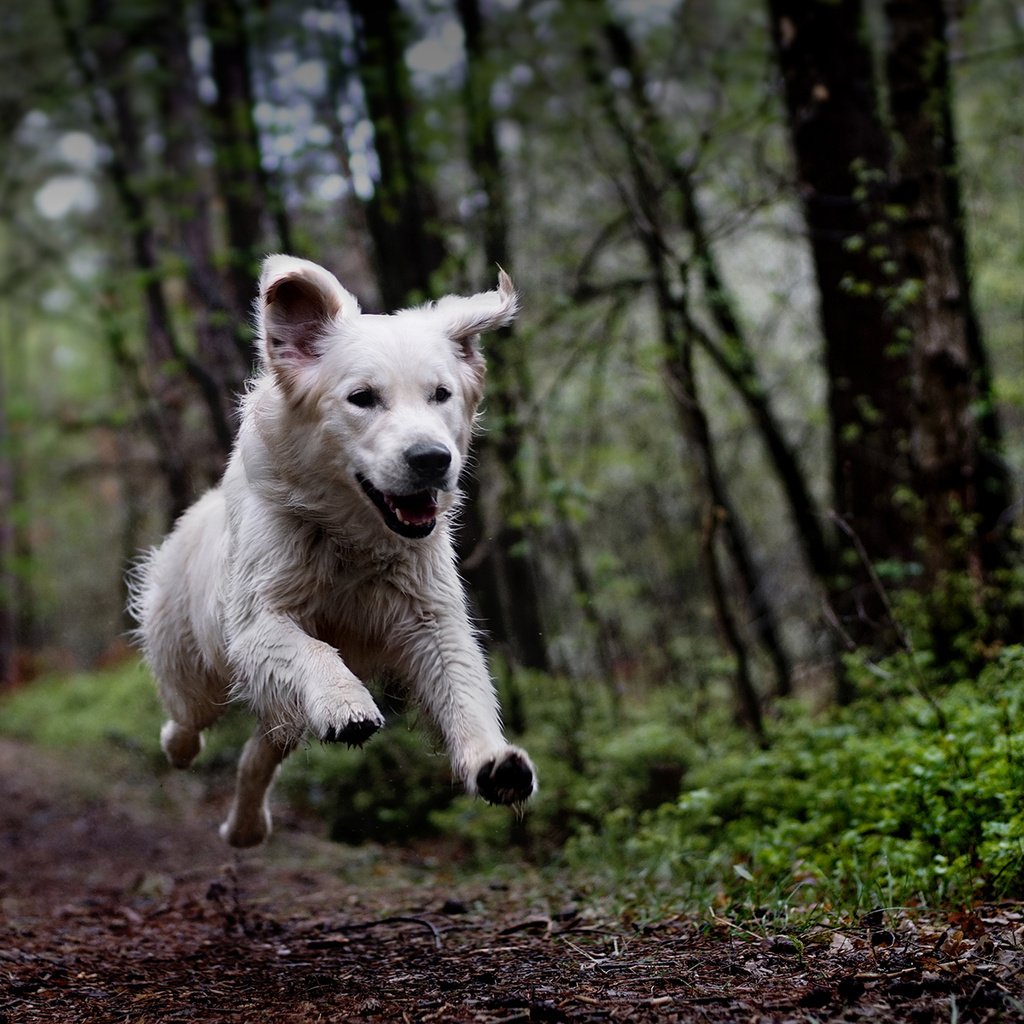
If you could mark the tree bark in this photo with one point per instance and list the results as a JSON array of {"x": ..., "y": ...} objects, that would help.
[
  {"x": 219, "y": 322},
  {"x": 100, "y": 61},
  {"x": 843, "y": 153},
  {"x": 119, "y": 129}
]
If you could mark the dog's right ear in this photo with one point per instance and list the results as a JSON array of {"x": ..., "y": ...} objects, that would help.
[{"x": 298, "y": 304}]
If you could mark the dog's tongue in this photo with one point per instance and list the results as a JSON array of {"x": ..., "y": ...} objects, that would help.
[{"x": 414, "y": 509}]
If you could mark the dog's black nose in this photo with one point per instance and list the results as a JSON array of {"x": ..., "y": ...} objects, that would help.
[{"x": 429, "y": 461}]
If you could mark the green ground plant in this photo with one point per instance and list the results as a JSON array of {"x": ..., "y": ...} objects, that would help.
[{"x": 900, "y": 798}]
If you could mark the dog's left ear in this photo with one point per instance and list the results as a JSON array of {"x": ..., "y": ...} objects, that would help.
[
  {"x": 298, "y": 304},
  {"x": 464, "y": 319}
]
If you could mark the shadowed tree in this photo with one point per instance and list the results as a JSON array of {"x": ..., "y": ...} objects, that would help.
[
  {"x": 915, "y": 442},
  {"x": 251, "y": 203}
]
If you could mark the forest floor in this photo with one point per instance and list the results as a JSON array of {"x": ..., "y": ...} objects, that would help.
[{"x": 119, "y": 903}]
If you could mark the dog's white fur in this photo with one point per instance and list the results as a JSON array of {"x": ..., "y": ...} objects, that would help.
[{"x": 284, "y": 587}]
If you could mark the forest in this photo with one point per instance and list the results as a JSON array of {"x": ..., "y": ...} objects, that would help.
[{"x": 743, "y": 522}]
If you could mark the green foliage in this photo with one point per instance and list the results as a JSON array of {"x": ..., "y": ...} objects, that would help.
[
  {"x": 117, "y": 706},
  {"x": 890, "y": 801},
  {"x": 954, "y": 625},
  {"x": 385, "y": 792},
  {"x": 113, "y": 708}
]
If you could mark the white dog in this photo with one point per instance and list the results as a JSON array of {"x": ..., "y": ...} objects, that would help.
[{"x": 325, "y": 554}]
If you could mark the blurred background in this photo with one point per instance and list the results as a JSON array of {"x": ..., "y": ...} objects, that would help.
[{"x": 757, "y": 430}]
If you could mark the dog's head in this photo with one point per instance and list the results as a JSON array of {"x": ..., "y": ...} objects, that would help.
[{"x": 385, "y": 404}]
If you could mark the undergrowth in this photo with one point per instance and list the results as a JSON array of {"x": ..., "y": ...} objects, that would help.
[
  {"x": 902, "y": 798},
  {"x": 905, "y": 797}
]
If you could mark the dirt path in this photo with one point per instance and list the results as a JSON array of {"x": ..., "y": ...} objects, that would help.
[{"x": 118, "y": 903}]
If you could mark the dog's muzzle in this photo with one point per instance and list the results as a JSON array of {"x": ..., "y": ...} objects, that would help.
[{"x": 413, "y": 514}]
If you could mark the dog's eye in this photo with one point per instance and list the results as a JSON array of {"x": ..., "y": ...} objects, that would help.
[
  {"x": 365, "y": 398},
  {"x": 441, "y": 394}
]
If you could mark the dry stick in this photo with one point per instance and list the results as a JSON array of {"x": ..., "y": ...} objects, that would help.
[
  {"x": 904, "y": 638},
  {"x": 397, "y": 919}
]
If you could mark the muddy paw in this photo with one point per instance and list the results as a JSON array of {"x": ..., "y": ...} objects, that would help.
[
  {"x": 180, "y": 744},
  {"x": 241, "y": 830},
  {"x": 509, "y": 780},
  {"x": 354, "y": 734}
]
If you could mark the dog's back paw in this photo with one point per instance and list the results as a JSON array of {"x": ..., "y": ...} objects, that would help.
[
  {"x": 243, "y": 830},
  {"x": 181, "y": 744},
  {"x": 509, "y": 779}
]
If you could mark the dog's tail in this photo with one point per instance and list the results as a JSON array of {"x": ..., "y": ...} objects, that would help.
[{"x": 136, "y": 580}]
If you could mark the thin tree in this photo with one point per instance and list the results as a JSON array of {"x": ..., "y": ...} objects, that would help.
[
  {"x": 499, "y": 561},
  {"x": 402, "y": 214},
  {"x": 100, "y": 56},
  {"x": 251, "y": 203},
  {"x": 218, "y": 303},
  {"x": 7, "y": 582},
  {"x": 651, "y": 219}
]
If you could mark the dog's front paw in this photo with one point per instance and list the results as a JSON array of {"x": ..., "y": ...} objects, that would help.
[
  {"x": 508, "y": 779},
  {"x": 347, "y": 717},
  {"x": 354, "y": 734}
]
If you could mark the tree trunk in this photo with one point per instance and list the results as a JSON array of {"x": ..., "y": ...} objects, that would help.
[
  {"x": 112, "y": 92},
  {"x": 505, "y": 576},
  {"x": 402, "y": 213},
  {"x": 117, "y": 126},
  {"x": 956, "y": 439},
  {"x": 913, "y": 460},
  {"x": 218, "y": 320},
  {"x": 249, "y": 201},
  {"x": 720, "y": 511},
  {"x": 842, "y": 157}
]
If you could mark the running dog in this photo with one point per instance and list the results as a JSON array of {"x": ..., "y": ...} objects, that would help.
[{"x": 324, "y": 557}]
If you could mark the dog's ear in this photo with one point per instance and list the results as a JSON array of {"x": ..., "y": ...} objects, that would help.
[
  {"x": 464, "y": 319},
  {"x": 298, "y": 303}
]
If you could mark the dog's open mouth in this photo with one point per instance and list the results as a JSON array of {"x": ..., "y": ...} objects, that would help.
[{"x": 408, "y": 515}]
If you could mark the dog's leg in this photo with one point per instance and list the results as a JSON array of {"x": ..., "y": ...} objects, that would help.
[
  {"x": 450, "y": 677},
  {"x": 180, "y": 743},
  {"x": 192, "y": 706},
  {"x": 249, "y": 822},
  {"x": 301, "y": 683}
]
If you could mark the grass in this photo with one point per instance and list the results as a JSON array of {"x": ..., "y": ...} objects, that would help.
[
  {"x": 897, "y": 800},
  {"x": 115, "y": 707}
]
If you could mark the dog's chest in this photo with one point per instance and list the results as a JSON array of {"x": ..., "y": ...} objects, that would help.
[{"x": 349, "y": 599}]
